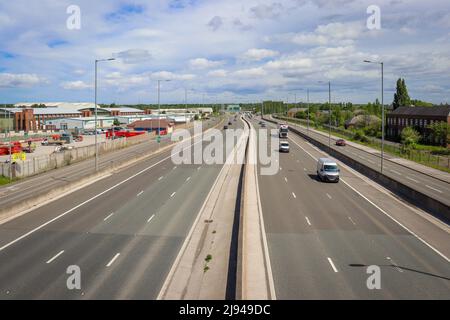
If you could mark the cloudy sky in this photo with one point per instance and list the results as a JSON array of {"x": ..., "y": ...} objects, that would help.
[{"x": 222, "y": 50}]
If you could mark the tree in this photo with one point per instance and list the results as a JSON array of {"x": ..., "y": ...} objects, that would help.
[
  {"x": 116, "y": 122},
  {"x": 401, "y": 97},
  {"x": 410, "y": 137}
]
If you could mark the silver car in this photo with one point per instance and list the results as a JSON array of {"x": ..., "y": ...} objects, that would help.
[{"x": 328, "y": 170}]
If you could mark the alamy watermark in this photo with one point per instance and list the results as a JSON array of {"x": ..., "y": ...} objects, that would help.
[
  {"x": 74, "y": 20},
  {"x": 374, "y": 20}
]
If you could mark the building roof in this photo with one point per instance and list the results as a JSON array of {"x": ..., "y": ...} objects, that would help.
[
  {"x": 437, "y": 111},
  {"x": 44, "y": 111},
  {"x": 151, "y": 124}
]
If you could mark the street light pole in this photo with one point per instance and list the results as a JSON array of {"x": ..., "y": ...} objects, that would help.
[
  {"x": 329, "y": 101},
  {"x": 383, "y": 120},
  {"x": 95, "y": 108},
  {"x": 307, "y": 99},
  {"x": 159, "y": 111}
]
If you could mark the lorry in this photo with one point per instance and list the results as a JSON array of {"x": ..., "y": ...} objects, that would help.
[{"x": 283, "y": 131}]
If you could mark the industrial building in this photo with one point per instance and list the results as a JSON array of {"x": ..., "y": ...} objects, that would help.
[{"x": 83, "y": 123}]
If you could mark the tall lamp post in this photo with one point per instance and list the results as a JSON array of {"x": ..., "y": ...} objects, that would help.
[
  {"x": 95, "y": 108},
  {"x": 329, "y": 116},
  {"x": 382, "y": 110}
]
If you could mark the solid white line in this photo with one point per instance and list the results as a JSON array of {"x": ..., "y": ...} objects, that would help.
[
  {"x": 437, "y": 190},
  {"x": 329, "y": 196},
  {"x": 285, "y": 179},
  {"x": 160, "y": 178},
  {"x": 140, "y": 193},
  {"x": 384, "y": 212},
  {"x": 173, "y": 194},
  {"x": 309, "y": 222},
  {"x": 413, "y": 180},
  {"x": 396, "y": 172},
  {"x": 294, "y": 195},
  {"x": 55, "y": 257},
  {"x": 112, "y": 261},
  {"x": 332, "y": 265},
  {"x": 108, "y": 216},
  {"x": 91, "y": 199},
  {"x": 151, "y": 218},
  {"x": 187, "y": 180}
]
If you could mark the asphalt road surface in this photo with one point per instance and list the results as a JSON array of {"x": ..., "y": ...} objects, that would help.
[
  {"x": 426, "y": 184},
  {"x": 124, "y": 233},
  {"x": 322, "y": 238}
]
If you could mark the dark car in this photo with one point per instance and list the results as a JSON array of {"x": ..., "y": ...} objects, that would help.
[
  {"x": 225, "y": 127},
  {"x": 341, "y": 143}
]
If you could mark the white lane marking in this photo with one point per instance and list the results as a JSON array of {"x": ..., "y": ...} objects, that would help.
[
  {"x": 304, "y": 169},
  {"x": 382, "y": 211},
  {"x": 372, "y": 162},
  {"x": 281, "y": 169},
  {"x": 199, "y": 168},
  {"x": 329, "y": 197},
  {"x": 396, "y": 172},
  {"x": 108, "y": 216},
  {"x": 187, "y": 180},
  {"x": 294, "y": 195},
  {"x": 413, "y": 180},
  {"x": 332, "y": 265},
  {"x": 112, "y": 261},
  {"x": 308, "y": 221},
  {"x": 285, "y": 179},
  {"x": 350, "y": 218},
  {"x": 173, "y": 194},
  {"x": 55, "y": 257},
  {"x": 140, "y": 193},
  {"x": 395, "y": 264},
  {"x": 437, "y": 190},
  {"x": 151, "y": 218},
  {"x": 160, "y": 178},
  {"x": 91, "y": 199},
  {"x": 361, "y": 157},
  {"x": 174, "y": 168}
]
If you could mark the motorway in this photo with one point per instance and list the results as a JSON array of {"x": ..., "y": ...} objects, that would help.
[
  {"x": 322, "y": 237},
  {"x": 123, "y": 231},
  {"x": 426, "y": 184}
]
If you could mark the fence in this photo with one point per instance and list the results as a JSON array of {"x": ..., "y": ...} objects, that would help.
[
  {"x": 44, "y": 163},
  {"x": 421, "y": 156}
]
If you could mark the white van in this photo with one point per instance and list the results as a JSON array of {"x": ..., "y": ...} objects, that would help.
[{"x": 328, "y": 170}]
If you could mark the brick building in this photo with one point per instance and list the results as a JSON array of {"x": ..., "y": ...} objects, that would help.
[{"x": 419, "y": 118}]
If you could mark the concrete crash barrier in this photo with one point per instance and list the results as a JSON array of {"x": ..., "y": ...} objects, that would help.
[{"x": 419, "y": 199}]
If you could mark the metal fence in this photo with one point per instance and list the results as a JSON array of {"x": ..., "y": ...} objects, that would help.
[
  {"x": 425, "y": 157},
  {"x": 36, "y": 165}
]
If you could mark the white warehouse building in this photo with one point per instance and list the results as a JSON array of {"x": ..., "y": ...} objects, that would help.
[{"x": 84, "y": 123}]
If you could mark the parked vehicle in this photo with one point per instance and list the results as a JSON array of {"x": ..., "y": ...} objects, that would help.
[
  {"x": 341, "y": 143},
  {"x": 225, "y": 127},
  {"x": 284, "y": 147},
  {"x": 328, "y": 170}
]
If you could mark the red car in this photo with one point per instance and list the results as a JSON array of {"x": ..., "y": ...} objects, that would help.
[{"x": 341, "y": 143}]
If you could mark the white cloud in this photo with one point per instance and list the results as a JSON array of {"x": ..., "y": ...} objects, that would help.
[
  {"x": 75, "y": 85},
  {"x": 134, "y": 56},
  {"x": 220, "y": 73},
  {"x": 202, "y": 63},
  {"x": 260, "y": 54},
  {"x": 250, "y": 73},
  {"x": 24, "y": 80},
  {"x": 300, "y": 63},
  {"x": 166, "y": 75}
]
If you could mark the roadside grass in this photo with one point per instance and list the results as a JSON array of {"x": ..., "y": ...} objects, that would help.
[
  {"x": 417, "y": 155},
  {"x": 4, "y": 181}
]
